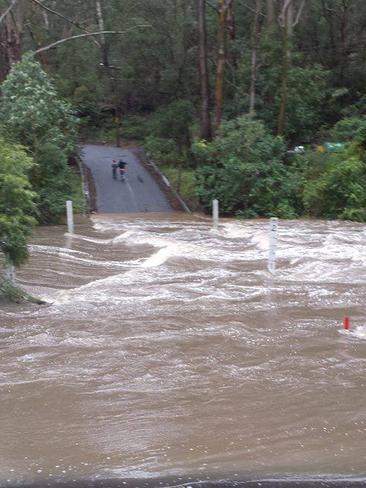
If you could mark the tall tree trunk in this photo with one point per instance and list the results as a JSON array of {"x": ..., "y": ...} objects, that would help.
[
  {"x": 270, "y": 13},
  {"x": 36, "y": 32},
  {"x": 284, "y": 84},
  {"x": 231, "y": 20},
  {"x": 288, "y": 21},
  {"x": 117, "y": 109},
  {"x": 10, "y": 45},
  {"x": 206, "y": 129},
  {"x": 254, "y": 67},
  {"x": 221, "y": 59}
]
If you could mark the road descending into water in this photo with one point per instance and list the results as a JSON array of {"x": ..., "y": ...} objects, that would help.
[
  {"x": 167, "y": 349},
  {"x": 137, "y": 193}
]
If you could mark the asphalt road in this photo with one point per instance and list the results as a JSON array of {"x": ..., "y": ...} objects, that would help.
[{"x": 138, "y": 193}]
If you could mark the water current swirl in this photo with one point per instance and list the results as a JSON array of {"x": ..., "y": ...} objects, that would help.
[{"x": 167, "y": 349}]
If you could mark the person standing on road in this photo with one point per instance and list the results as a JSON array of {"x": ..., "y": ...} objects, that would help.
[
  {"x": 114, "y": 169},
  {"x": 122, "y": 168},
  {"x": 122, "y": 164}
]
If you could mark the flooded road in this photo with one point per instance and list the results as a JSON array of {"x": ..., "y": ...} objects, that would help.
[{"x": 168, "y": 350}]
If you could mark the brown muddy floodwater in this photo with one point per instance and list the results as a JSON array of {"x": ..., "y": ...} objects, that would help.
[{"x": 168, "y": 350}]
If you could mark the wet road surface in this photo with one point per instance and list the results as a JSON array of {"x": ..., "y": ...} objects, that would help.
[
  {"x": 168, "y": 350},
  {"x": 137, "y": 193}
]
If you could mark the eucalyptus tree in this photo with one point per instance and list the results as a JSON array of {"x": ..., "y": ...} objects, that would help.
[
  {"x": 32, "y": 114},
  {"x": 206, "y": 128}
]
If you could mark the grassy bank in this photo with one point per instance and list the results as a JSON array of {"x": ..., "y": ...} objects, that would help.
[
  {"x": 183, "y": 182},
  {"x": 77, "y": 192},
  {"x": 12, "y": 294}
]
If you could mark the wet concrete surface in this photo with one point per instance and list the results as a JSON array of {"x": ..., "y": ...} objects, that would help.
[{"x": 138, "y": 192}]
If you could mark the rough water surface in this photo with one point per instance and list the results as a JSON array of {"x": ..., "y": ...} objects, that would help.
[{"x": 167, "y": 349}]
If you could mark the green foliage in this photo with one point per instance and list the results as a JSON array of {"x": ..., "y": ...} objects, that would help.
[
  {"x": 306, "y": 100},
  {"x": 31, "y": 111},
  {"x": 11, "y": 293},
  {"x": 243, "y": 169},
  {"x": 307, "y": 96},
  {"x": 340, "y": 190},
  {"x": 173, "y": 121},
  {"x": 163, "y": 150},
  {"x": 54, "y": 182},
  {"x": 32, "y": 114},
  {"x": 148, "y": 76},
  {"x": 86, "y": 106},
  {"x": 350, "y": 129},
  {"x": 135, "y": 128},
  {"x": 184, "y": 182},
  {"x": 17, "y": 207},
  {"x": 169, "y": 137}
]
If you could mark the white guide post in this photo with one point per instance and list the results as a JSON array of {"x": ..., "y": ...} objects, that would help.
[
  {"x": 10, "y": 273},
  {"x": 215, "y": 213},
  {"x": 70, "y": 217},
  {"x": 273, "y": 229}
]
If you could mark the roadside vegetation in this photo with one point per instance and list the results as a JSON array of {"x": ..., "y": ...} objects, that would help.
[
  {"x": 260, "y": 104},
  {"x": 37, "y": 139}
]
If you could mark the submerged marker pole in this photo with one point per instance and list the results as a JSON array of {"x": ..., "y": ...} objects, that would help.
[
  {"x": 70, "y": 217},
  {"x": 215, "y": 213},
  {"x": 347, "y": 324},
  {"x": 273, "y": 228}
]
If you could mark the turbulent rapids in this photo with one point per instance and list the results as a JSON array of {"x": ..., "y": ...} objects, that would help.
[{"x": 167, "y": 349}]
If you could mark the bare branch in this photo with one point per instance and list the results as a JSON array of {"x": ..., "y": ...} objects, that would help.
[
  {"x": 299, "y": 12},
  {"x": 2, "y": 17},
  {"x": 76, "y": 24},
  {"x": 61, "y": 41},
  {"x": 212, "y": 6},
  {"x": 282, "y": 16},
  {"x": 286, "y": 5},
  {"x": 244, "y": 4}
]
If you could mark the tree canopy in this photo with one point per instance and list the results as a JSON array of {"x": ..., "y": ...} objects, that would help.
[
  {"x": 223, "y": 91},
  {"x": 17, "y": 202},
  {"x": 32, "y": 113}
]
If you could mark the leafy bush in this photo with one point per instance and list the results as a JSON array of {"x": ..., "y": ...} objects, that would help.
[
  {"x": 17, "y": 207},
  {"x": 31, "y": 113},
  {"x": 340, "y": 190},
  {"x": 350, "y": 129},
  {"x": 184, "y": 182},
  {"x": 173, "y": 121},
  {"x": 169, "y": 137},
  {"x": 54, "y": 182},
  {"x": 163, "y": 151},
  {"x": 307, "y": 91},
  {"x": 243, "y": 169}
]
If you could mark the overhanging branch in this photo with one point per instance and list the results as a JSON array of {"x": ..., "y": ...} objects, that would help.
[
  {"x": 58, "y": 14},
  {"x": 2, "y": 17},
  {"x": 301, "y": 8},
  {"x": 79, "y": 36}
]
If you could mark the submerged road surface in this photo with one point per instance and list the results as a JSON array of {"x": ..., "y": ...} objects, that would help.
[
  {"x": 168, "y": 351},
  {"x": 138, "y": 193}
]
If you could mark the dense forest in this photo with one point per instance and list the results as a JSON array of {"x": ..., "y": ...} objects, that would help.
[{"x": 259, "y": 103}]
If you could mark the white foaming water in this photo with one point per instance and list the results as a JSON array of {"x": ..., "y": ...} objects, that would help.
[
  {"x": 357, "y": 332},
  {"x": 161, "y": 256},
  {"x": 173, "y": 351},
  {"x": 93, "y": 240},
  {"x": 53, "y": 250}
]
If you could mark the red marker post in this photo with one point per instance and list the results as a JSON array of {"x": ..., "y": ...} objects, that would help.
[{"x": 347, "y": 324}]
